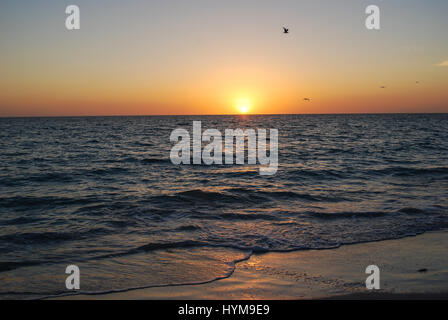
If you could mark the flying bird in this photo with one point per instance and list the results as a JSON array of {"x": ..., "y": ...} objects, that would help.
[
  {"x": 417, "y": 82},
  {"x": 285, "y": 30},
  {"x": 307, "y": 99},
  {"x": 383, "y": 87}
]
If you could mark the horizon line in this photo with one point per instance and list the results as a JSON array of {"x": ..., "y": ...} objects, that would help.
[{"x": 214, "y": 115}]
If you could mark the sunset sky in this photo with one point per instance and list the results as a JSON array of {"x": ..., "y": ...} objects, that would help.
[{"x": 218, "y": 57}]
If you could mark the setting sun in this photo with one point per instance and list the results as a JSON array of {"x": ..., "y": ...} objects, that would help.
[{"x": 243, "y": 105}]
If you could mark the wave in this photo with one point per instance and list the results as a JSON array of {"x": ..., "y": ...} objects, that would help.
[
  {"x": 369, "y": 214},
  {"x": 411, "y": 172},
  {"x": 169, "y": 245},
  {"x": 317, "y": 174},
  {"x": 23, "y": 201},
  {"x": 330, "y": 174},
  {"x": 241, "y": 196},
  {"x": 291, "y": 195},
  {"x": 195, "y": 196},
  {"x": 58, "y": 177},
  {"x": 18, "y": 221},
  {"x": 54, "y": 294},
  {"x": 47, "y": 177},
  {"x": 50, "y": 237},
  {"x": 188, "y": 228},
  {"x": 198, "y": 194},
  {"x": 8, "y": 266},
  {"x": 155, "y": 161},
  {"x": 104, "y": 171},
  {"x": 239, "y": 216},
  {"x": 155, "y": 246}
]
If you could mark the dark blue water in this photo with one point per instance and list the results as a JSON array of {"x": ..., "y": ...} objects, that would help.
[{"x": 101, "y": 193}]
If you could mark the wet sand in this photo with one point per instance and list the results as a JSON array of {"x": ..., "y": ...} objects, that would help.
[{"x": 410, "y": 268}]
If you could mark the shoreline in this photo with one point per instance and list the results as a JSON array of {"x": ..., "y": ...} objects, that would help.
[{"x": 414, "y": 267}]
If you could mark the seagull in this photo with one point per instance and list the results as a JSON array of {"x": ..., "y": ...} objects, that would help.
[
  {"x": 285, "y": 30},
  {"x": 307, "y": 99}
]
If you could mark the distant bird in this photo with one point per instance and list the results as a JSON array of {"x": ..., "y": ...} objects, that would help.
[
  {"x": 307, "y": 99},
  {"x": 417, "y": 82},
  {"x": 285, "y": 30},
  {"x": 423, "y": 270},
  {"x": 383, "y": 87}
]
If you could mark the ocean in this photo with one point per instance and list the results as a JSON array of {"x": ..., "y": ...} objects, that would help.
[{"x": 101, "y": 193}]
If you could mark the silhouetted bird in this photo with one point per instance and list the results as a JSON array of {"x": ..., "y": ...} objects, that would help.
[
  {"x": 383, "y": 87},
  {"x": 417, "y": 82},
  {"x": 285, "y": 30},
  {"x": 307, "y": 99}
]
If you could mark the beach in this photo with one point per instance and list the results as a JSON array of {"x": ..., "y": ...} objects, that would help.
[{"x": 324, "y": 274}]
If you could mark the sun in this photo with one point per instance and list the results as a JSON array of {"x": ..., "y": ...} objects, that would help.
[{"x": 243, "y": 105}]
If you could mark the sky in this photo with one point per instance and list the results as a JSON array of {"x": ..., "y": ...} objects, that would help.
[{"x": 164, "y": 57}]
